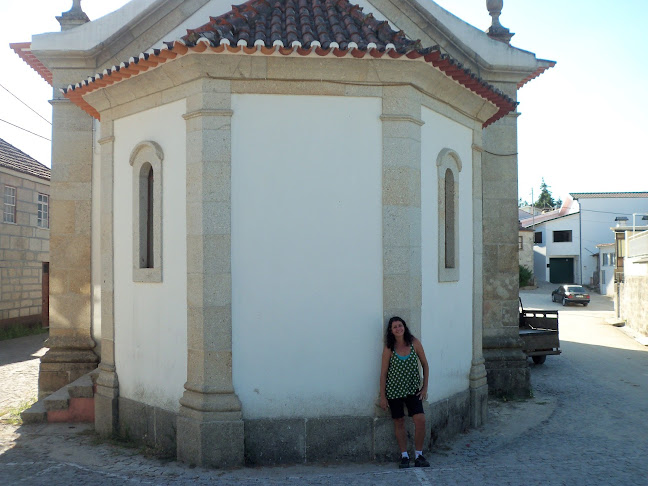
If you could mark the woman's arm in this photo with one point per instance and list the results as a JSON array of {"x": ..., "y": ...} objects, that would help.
[
  {"x": 418, "y": 347},
  {"x": 386, "y": 354}
]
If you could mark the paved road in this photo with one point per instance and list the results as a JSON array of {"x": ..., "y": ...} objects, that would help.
[
  {"x": 19, "y": 359},
  {"x": 585, "y": 425}
]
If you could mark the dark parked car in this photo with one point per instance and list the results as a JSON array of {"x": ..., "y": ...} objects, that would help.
[{"x": 570, "y": 293}]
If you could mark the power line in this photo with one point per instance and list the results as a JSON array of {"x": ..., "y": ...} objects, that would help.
[
  {"x": 25, "y": 104},
  {"x": 24, "y": 129}
]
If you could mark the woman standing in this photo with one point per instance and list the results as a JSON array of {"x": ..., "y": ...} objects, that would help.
[{"x": 400, "y": 385}]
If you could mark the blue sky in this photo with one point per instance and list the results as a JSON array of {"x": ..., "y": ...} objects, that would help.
[{"x": 583, "y": 126}]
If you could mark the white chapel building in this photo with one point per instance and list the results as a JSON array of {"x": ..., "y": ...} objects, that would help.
[{"x": 243, "y": 196}]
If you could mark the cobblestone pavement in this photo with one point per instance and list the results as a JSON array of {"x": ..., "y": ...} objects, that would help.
[
  {"x": 586, "y": 424},
  {"x": 19, "y": 359}
]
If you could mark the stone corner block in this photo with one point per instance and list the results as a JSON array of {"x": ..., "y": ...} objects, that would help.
[{"x": 106, "y": 414}]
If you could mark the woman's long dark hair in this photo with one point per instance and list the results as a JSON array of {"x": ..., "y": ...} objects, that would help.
[{"x": 390, "y": 340}]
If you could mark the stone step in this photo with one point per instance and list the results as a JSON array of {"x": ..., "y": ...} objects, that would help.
[
  {"x": 59, "y": 400},
  {"x": 82, "y": 388},
  {"x": 35, "y": 414},
  {"x": 72, "y": 403}
]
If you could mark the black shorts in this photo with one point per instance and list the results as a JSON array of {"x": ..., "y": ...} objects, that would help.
[{"x": 413, "y": 403}]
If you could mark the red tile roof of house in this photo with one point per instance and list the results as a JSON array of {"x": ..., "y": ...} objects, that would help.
[
  {"x": 333, "y": 28},
  {"x": 15, "y": 159}
]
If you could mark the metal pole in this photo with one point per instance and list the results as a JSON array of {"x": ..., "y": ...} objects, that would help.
[{"x": 580, "y": 241}]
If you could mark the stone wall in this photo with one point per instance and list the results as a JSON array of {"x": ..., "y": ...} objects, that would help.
[
  {"x": 23, "y": 248},
  {"x": 634, "y": 305},
  {"x": 526, "y": 252},
  {"x": 271, "y": 442}
]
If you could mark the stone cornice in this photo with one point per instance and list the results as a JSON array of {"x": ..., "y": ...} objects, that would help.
[
  {"x": 403, "y": 118},
  {"x": 105, "y": 140},
  {"x": 197, "y": 113}
]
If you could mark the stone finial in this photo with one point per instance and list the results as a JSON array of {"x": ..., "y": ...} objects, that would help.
[
  {"x": 73, "y": 17},
  {"x": 497, "y": 31}
]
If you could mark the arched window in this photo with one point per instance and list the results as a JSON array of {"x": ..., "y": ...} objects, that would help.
[
  {"x": 146, "y": 245},
  {"x": 448, "y": 169},
  {"x": 449, "y": 219},
  {"x": 146, "y": 160}
]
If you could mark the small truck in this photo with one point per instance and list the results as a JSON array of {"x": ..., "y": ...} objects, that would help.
[{"x": 539, "y": 332}]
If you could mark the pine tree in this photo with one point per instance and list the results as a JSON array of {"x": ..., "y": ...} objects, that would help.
[{"x": 545, "y": 200}]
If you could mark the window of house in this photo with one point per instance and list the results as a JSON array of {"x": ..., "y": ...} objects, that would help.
[
  {"x": 562, "y": 236},
  {"x": 9, "y": 211},
  {"x": 146, "y": 160},
  {"x": 521, "y": 242},
  {"x": 43, "y": 210},
  {"x": 448, "y": 169},
  {"x": 603, "y": 278},
  {"x": 537, "y": 237}
]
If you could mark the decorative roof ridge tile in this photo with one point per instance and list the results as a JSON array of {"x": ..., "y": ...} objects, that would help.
[{"x": 230, "y": 33}]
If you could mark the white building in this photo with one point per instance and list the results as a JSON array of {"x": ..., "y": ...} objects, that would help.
[
  {"x": 556, "y": 249},
  {"x": 264, "y": 193},
  {"x": 598, "y": 212},
  {"x": 566, "y": 239}
]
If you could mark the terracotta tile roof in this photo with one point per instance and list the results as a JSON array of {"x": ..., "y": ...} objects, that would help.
[
  {"x": 23, "y": 49},
  {"x": 15, "y": 159},
  {"x": 333, "y": 28},
  {"x": 307, "y": 22}
]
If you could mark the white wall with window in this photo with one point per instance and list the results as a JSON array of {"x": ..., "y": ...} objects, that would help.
[
  {"x": 557, "y": 238},
  {"x": 446, "y": 330},
  {"x": 151, "y": 314}
]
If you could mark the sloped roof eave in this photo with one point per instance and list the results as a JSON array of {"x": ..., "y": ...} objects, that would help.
[
  {"x": 23, "y": 50},
  {"x": 151, "y": 60},
  {"x": 14, "y": 159},
  {"x": 490, "y": 54}
]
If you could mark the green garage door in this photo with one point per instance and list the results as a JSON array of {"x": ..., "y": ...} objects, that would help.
[{"x": 561, "y": 270}]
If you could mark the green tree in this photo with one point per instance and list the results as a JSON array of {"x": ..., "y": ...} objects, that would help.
[{"x": 545, "y": 200}]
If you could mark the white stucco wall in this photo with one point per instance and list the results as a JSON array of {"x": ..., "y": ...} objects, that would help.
[
  {"x": 446, "y": 314},
  {"x": 306, "y": 254},
  {"x": 597, "y": 217},
  {"x": 151, "y": 318}
]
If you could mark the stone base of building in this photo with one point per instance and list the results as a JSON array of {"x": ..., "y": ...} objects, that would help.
[
  {"x": 270, "y": 442},
  {"x": 60, "y": 367},
  {"x": 148, "y": 425},
  {"x": 507, "y": 372}
]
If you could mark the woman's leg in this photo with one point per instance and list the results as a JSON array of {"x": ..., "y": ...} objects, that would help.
[
  {"x": 419, "y": 431},
  {"x": 401, "y": 436}
]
